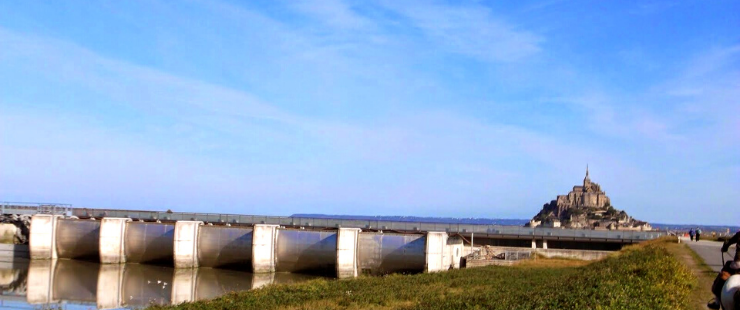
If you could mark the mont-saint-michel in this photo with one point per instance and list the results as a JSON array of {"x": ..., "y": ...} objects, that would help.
[{"x": 586, "y": 207}]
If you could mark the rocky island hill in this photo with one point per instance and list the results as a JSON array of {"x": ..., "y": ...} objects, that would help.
[{"x": 585, "y": 207}]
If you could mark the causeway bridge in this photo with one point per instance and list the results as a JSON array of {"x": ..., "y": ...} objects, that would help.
[{"x": 268, "y": 244}]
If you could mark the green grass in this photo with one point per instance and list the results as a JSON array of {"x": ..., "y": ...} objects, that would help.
[{"x": 646, "y": 276}]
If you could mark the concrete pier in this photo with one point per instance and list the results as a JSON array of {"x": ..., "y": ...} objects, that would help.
[
  {"x": 42, "y": 236},
  {"x": 186, "y": 244},
  {"x": 436, "y": 252},
  {"x": 112, "y": 235},
  {"x": 347, "y": 239},
  {"x": 264, "y": 237}
]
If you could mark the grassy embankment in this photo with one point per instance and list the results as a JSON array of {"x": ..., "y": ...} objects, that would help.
[{"x": 647, "y": 276}]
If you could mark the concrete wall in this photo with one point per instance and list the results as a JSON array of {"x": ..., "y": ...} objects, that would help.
[
  {"x": 575, "y": 254},
  {"x": 381, "y": 253},
  {"x": 467, "y": 250},
  {"x": 488, "y": 262},
  {"x": 576, "y": 245},
  {"x": 222, "y": 246},
  {"x": 560, "y": 253},
  {"x": 79, "y": 239},
  {"x": 149, "y": 242},
  {"x": 455, "y": 250},
  {"x": 306, "y": 251}
]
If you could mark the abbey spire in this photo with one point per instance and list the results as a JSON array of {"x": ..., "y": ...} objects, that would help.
[{"x": 586, "y": 180}]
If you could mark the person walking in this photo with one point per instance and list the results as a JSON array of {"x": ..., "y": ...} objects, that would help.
[
  {"x": 691, "y": 234},
  {"x": 698, "y": 234}
]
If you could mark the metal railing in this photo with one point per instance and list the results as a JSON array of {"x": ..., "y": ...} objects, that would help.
[
  {"x": 465, "y": 229},
  {"x": 35, "y": 208},
  {"x": 517, "y": 255}
]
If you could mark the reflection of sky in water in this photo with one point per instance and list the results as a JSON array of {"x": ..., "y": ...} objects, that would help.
[{"x": 72, "y": 284}]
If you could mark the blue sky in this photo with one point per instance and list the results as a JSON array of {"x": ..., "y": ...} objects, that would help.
[{"x": 466, "y": 109}]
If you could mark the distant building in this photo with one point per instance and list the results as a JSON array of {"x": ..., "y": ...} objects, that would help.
[
  {"x": 587, "y": 195},
  {"x": 552, "y": 223},
  {"x": 587, "y": 207},
  {"x": 533, "y": 223}
]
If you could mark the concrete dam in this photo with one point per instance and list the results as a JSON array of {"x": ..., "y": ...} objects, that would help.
[{"x": 259, "y": 248}]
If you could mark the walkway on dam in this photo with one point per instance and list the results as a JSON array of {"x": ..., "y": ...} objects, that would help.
[
  {"x": 709, "y": 251},
  {"x": 467, "y": 230}
]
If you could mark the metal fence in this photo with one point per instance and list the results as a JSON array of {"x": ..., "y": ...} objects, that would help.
[
  {"x": 35, "y": 208},
  {"x": 517, "y": 255}
]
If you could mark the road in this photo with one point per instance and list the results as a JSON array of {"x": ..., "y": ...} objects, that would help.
[{"x": 709, "y": 251}]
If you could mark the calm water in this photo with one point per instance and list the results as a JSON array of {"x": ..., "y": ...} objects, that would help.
[{"x": 71, "y": 284}]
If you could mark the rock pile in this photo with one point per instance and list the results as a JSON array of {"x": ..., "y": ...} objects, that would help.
[{"x": 22, "y": 223}]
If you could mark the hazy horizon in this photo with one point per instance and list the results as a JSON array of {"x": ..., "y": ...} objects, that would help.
[{"x": 421, "y": 108}]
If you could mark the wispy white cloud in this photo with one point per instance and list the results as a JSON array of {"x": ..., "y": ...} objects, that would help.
[
  {"x": 142, "y": 87},
  {"x": 706, "y": 98},
  {"x": 469, "y": 29},
  {"x": 472, "y": 30},
  {"x": 605, "y": 117},
  {"x": 336, "y": 13}
]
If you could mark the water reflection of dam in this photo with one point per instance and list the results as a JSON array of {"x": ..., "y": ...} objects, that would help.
[{"x": 129, "y": 285}]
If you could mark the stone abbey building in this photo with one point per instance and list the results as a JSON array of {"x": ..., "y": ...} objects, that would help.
[
  {"x": 586, "y": 206},
  {"x": 587, "y": 195}
]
